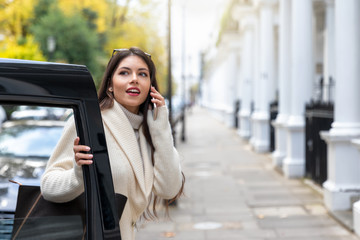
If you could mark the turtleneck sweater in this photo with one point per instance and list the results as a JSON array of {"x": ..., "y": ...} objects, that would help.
[{"x": 135, "y": 121}]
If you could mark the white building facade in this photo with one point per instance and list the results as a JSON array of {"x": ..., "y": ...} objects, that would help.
[{"x": 293, "y": 52}]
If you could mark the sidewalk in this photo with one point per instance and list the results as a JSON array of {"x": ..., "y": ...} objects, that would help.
[{"x": 234, "y": 193}]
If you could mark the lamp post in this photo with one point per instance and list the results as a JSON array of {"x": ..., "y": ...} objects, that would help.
[
  {"x": 183, "y": 137},
  {"x": 51, "y": 45},
  {"x": 169, "y": 85}
]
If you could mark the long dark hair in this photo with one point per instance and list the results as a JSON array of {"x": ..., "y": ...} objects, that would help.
[{"x": 106, "y": 101}]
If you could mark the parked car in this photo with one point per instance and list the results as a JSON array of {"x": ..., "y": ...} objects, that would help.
[
  {"x": 2, "y": 115},
  {"x": 25, "y": 147},
  {"x": 56, "y": 85},
  {"x": 37, "y": 113},
  {"x": 177, "y": 107}
]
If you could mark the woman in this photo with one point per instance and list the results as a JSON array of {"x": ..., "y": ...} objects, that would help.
[{"x": 143, "y": 160}]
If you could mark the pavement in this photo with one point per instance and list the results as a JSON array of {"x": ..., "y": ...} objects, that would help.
[{"x": 231, "y": 193}]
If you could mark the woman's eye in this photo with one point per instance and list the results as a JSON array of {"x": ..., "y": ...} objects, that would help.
[
  {"x": 143, "y": 74},
  {"x": 124, "y": 73}
]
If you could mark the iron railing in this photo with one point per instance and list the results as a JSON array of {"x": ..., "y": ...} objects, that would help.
[{"x": 319, "y": 117}]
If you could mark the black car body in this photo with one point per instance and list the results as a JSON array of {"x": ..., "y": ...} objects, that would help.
[{"x": 69, "y": 86}]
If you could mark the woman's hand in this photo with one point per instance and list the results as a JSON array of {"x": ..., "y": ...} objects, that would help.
[
  {"x": 82, "y": 158},
  {"x": 156, "y": 97}
]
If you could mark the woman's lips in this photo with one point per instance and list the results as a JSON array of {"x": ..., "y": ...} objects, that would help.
[{"x": 133, "y": 91}]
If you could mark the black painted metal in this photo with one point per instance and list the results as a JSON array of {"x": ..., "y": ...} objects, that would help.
[
  {"x": 273, "y": 114},
  {"x": 63, "y": 85},
  {"x": 319, "y": 117},
  {"x": 237, "y": 107}
]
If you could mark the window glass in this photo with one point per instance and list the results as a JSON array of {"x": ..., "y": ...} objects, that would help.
[{"x": 28, "y": 136}]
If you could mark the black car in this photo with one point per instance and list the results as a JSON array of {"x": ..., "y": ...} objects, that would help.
[{"x": 43, "y": 84}]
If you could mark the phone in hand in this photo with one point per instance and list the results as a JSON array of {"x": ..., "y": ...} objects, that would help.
[{"x": 155, "y": 110}]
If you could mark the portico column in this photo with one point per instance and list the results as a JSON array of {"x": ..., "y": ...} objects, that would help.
[
  {"x": 301, "y": 86},
  {"x": 343, "y": 181},
  {"x": 256, "y": 83},
  {"x": 261, "y": 116},
  {"x": 219, "y": 89},
  {"x": 284, "y": 83},
  {"x": 356, "y": 205},
  {"x": 246, "y": 81},
  {"x": 329, "y": 51},
  {"x": 231, "y": 77}
]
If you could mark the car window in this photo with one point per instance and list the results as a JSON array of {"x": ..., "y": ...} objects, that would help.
[{"x": 28, "y": 136}]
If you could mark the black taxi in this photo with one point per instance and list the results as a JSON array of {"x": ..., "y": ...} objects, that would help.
[{"x": 55, "y": 86}]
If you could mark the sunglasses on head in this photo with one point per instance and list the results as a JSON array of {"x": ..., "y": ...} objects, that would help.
[{"x": 125, "y": 49}]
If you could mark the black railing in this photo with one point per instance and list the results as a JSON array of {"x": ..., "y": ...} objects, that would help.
[
  {"x": 273, "y": 114},
  {"x": 237, "y": 108},
  {"x": 177, "y": 118},
  {"x": 319, "y": 117}
]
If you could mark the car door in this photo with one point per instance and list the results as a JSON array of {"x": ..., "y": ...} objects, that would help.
[{"x": 52, "y": 85}]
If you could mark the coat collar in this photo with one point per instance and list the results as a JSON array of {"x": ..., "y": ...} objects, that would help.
[{"x": 122, "y": 132}]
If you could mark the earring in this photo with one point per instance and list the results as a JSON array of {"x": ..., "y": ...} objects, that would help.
[{"x": 110, "y": 89}]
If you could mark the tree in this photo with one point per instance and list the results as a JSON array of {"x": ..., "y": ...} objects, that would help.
[
  {"x": 15, "y": 20},
  {"x": 95, "y": 11},
  {"x": 75, "y": 42},
  {"x": 137, "y": 25},
  {"x": 42, "y": 8},
  {"x": 27, "y": 48}
]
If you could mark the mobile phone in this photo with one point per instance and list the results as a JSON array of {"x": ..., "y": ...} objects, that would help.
[{"x": 155, "y": 109}]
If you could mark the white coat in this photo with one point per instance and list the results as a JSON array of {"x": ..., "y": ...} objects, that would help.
[{"x": 133, "y": 173}]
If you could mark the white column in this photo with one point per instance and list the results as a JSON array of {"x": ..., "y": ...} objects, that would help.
[
  {"x": 246, "y": 82},
  {"x": 261, "y": 116},
  {"x": 231, "y": 81},
  {"x": 301, "y": 86},
  {"x": 356, "y": 206},
  {"x": 256, "y": 83},
  {"x": 343, "y": 181},
  {"x": 219, "y": 89},
  {"x": 284, "y": 82},
  {"x": 329, "y": 50}
]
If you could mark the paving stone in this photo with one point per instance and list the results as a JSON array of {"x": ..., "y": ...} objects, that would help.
[
  {"x": 296, "y": 222},
  {"x": 313, "y": 232},
  {"x": 315, "y": 209},
  {"x": 240, "y": 234},
  {"x": 280, "y": 211}
]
